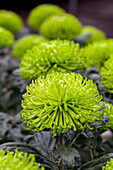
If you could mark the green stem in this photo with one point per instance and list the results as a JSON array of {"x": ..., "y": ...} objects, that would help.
[
  {"x": 73, "y": 141},
  {"x": 61, "y": 144},
  {"x": 93, "y": 149}
]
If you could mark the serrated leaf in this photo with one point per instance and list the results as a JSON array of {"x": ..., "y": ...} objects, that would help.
[
  {"x": 97, "y": 163},
  {"x": 70, "y": 156},
  {"x": 45, "y": 142},
  {"x": 11, "y": 146},
  {"x": 5, "y": 125}
]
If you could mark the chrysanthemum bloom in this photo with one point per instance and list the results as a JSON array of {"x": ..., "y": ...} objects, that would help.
[
  {"x": 6, "y": 38},
  {"x": 26, "y": 43},
  {"x": 96, "y": 34},
  {"x": 41, "y": 13},
  {"x": 60, "y": 56},
  {"x": 108, "y": 111},
  {"x": 62, "y": 27},
  {"x": 97, "y": 53},
  {"x": 106, "y": 74},
  {"x": 10, "y": 21},
  {"x": 16, "y": 161},
  {"x": 59, "y": 102},
  {"x": 109, "y": 165}
]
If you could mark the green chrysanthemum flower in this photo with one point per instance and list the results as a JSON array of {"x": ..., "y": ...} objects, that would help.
[
  {"x": 60, "y": 56},
  {"x": 16, "y": 161},
  {"x": 41, "y": 13},
  {"x": 62, "y": 27},
  {"x": 97, "y": 53},
  {"x": 109, "y": 165},
  {"x": 106, "y": 74},
  {"x": 59, "y": 102},
  {"x": 6, "y": 38},
  {"x": 26, "y": 43},
  {"x": 10, "y": 21},
  {"x": 97, "y": 34},
  {"x": 108, "y": 111}
]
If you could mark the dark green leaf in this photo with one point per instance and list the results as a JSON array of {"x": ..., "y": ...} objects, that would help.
[
  {"x": 45, "y": 142},
  {"x": 97, "y": 163},
  {"x": 70, "y": 156}
]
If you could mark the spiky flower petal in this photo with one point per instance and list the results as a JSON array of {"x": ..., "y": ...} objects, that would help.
[
  {"x": 62, "y": 27},
  {"x": 108, "y": 111},
  {"x": 96, "y": 34},
  {"x": 106, "y": 74},
  {"x": 16, "y": 161},
  {"x": 109, "y": 165},
  {"x": 40, "y": 13},
  {"x": 97, "y": 53},
  {"x": 10, "y": 21},
  {"x": 26, "y": 43},
  {"x": 6, "y": 38},
  {"x": 59, "y": 102},
  {"x": 61, "y": 56}
]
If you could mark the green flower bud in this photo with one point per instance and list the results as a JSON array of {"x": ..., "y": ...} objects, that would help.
[
  {"x": 16, "y": 161},
  {"x": 40, "y": 13},
  {"x": 97, "y": 34},
  {"x": 26, "y": 43},
  {"x": 10, "y": 21},
  {"x": 6, "y": 38},
  {"x": 60, "y": 56},
  {"x": 97, "y": 53},
  {"x": 109, "y": 165},
  {"x": 59, "y": 102},
  {"x": 106, "y": 74},
  {"x": 62, "y": 27}
]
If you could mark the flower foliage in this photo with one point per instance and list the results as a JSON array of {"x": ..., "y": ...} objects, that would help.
[
  {"x": 10, "y": 21},
  {"x": 61, "y": 56},
  {"x": 59, "y": 102},
  {"x": 109, "y": 165},
  {"x": 106, "y": 74},
  {"x": 40, "y": 13},
  {"x": 12, "y": 161},
  {"x": 6, "y": 38},
  {"x": 97, "y": 53},
  {"x": 26, "y": 43},
  {"x": 96, "y": 34},
  {"x": 62, "y": 27}
]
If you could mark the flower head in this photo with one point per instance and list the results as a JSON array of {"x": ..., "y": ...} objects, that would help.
[
  {"x": 106, "y": 74},
  {"x": 10, "y": 21},
  {"x": 59, "y": 102},
  {"x": 40, "y": 13},
  {"x": 26, "y": 43},
  {"x": 108, "y": 111},
  {"x": 60, "y": 56},
  {"x": 109, "y": 165},
  {"x": 97, "y": 53},
  {"x": 62, "y": 27},
  {"x": 6, "y": 38},
  {"x": 12, "y": 161},
  {"x": 96, "y": 34}
]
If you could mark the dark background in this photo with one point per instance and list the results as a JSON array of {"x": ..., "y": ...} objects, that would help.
[{"x": 98, "y": 13}]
